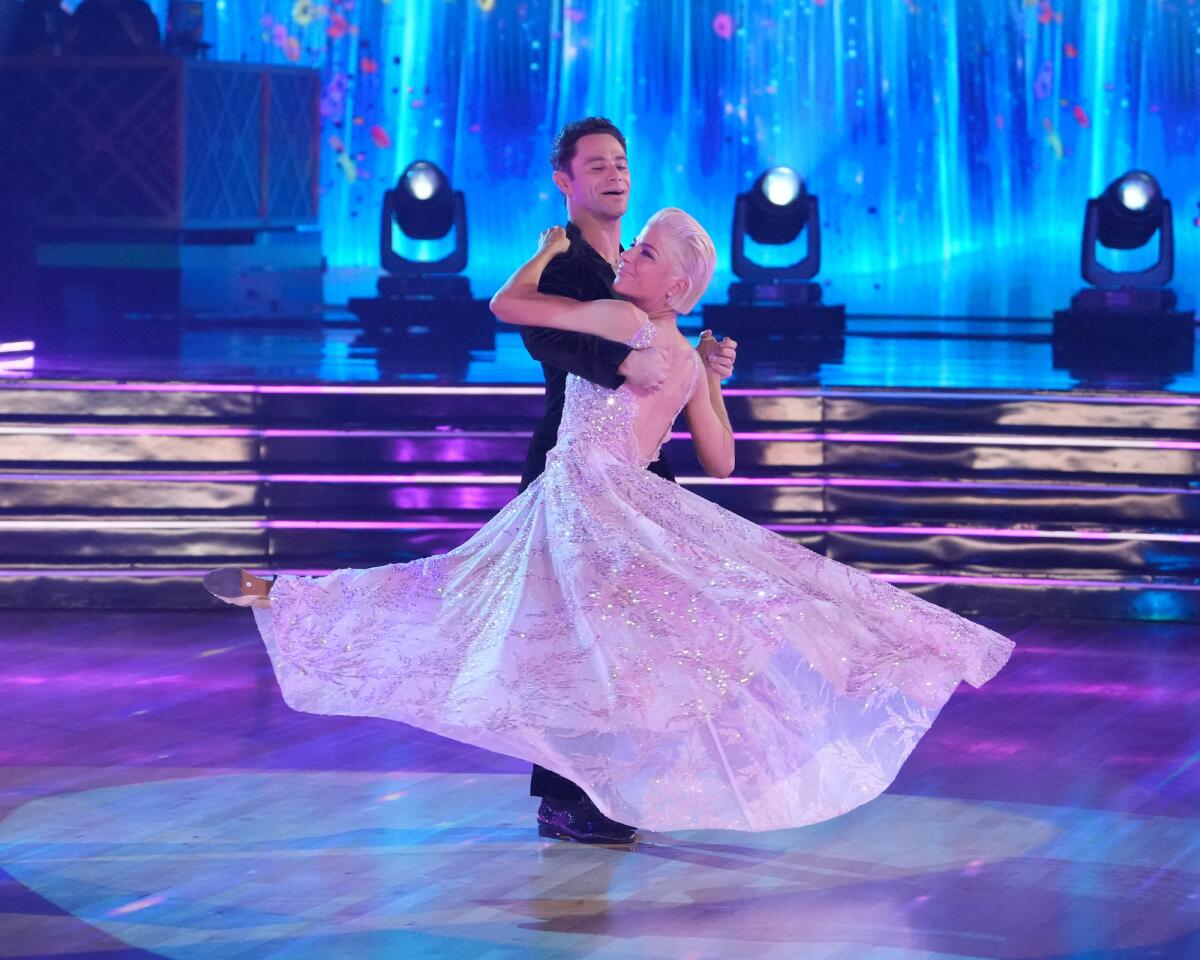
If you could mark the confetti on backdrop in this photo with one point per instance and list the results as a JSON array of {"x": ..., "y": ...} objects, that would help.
[
  {"x": 1043, "y": 86},
  {"x": 304, "y": 12},
  {"x": 380, "y": 137},
  {"x": 856, "y": 94}
]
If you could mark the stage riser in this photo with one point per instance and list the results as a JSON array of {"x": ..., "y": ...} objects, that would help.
[
  {"x": 1026, "y": 415},
  {"x": 763, "y": 504},
  {"x": 197, "y": 478},
  {"x": 308, "y": 546},
  {"x": 504, "y": 455},
  {"x": 61, "y": 496},
  {"x": 521, "y": 410},
  {"x": 172, "y": 592},
  {"x": 994, "y": 555}
]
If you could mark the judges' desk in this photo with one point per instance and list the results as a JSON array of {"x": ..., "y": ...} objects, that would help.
[{"x": 200, "y": 177}]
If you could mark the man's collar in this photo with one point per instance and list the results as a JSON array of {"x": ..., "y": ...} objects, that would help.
[{"x": 575, "y": 236}]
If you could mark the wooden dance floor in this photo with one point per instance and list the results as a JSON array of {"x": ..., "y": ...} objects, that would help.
[{"x": 159, "y": 800}]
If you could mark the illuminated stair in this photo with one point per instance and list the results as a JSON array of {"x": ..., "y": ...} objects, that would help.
[{"x": 116, "y": 494}]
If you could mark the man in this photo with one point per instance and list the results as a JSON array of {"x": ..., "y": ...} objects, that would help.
[{"x": 591, "y": 171}]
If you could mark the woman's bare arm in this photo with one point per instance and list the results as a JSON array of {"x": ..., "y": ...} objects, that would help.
[
  {"x": 518, "y": 301},
  {"x": 709, "y": 424}
]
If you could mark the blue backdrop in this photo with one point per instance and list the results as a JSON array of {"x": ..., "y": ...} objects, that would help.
[{"x": 953, "y": 145}]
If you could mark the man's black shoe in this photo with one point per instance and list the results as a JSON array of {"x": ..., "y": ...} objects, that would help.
[{"x": 582, "y": 822}]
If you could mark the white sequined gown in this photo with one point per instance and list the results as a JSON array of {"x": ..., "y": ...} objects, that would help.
[{"x": 686, "y": 667}]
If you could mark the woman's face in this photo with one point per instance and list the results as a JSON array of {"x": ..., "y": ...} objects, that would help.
[{"x": 644, "y": 275}]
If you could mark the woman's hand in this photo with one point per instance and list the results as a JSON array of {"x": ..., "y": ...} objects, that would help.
[
  {"x": 718, "y": 355},
  {"x": 554, "y": 241}
]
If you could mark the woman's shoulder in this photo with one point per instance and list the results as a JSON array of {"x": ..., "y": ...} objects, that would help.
[
  {"x": 640, "y": 329},
  {"x": 623, "y": 321}
]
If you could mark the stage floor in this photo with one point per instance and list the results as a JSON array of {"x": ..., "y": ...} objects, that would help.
[
  {"x": 158, "y": 800},
  {"x": 965, "y": 353}
]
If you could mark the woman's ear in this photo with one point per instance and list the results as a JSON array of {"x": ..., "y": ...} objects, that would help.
[{"x": 678, "y": 287}]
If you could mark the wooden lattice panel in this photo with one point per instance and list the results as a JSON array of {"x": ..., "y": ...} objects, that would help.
[{"x": 160, "y": 143}]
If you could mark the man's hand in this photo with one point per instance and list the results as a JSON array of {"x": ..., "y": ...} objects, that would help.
[
  {"x": 554, "y": 241},
  {"x": 645, "y": 370},
  {"x": 718, "y": 355}
]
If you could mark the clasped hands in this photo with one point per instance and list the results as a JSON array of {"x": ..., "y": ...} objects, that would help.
[{"x": 646, "y": 370}]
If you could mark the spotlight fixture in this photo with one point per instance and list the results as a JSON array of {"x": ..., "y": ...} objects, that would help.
[
  {"x": 1125, "y": 217},
  {"x": 428, "y": 299},
  {"x": 424, "y": 207},
  {"x": 774, "y": 212},
  {"x": 774, "y": 301},
  {"x": 1126, "y": 320}
]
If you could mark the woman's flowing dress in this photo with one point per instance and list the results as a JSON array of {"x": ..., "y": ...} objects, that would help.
[{"x": 684, "y": 666}]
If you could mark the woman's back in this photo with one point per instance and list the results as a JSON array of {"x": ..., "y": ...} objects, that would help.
[{"x": 628, "y": 424}]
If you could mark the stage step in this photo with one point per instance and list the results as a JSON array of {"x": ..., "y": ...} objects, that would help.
[{"x": 123, "y": 493}]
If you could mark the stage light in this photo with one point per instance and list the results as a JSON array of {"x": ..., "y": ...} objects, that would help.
[
  {"x": 781, "y": 185},
  {"x": 424, "y": 206},
  {"x": 770, "y": 302},
  {"x": 774, "y": 212},
  {"x": 424, "y": 303},
  {"x": 422, "y": 180},
  {"x": 1125, "y": 217},
  {"x": 1126, "y": 321}
]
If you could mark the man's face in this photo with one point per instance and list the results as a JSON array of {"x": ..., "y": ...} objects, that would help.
[{"x": 599, "y": 180}]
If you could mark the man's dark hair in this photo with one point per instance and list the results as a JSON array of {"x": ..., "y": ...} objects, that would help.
[{"x": 563, "y": 151}]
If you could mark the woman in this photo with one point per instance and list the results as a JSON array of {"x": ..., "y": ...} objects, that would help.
[{"x": 685, "y": 667}]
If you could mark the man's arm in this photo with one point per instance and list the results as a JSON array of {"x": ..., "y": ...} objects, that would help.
[
  {"x": 595, "y": 359},
  {"x": 519, "y": 302},
  {"x": 592, "y": 358}
]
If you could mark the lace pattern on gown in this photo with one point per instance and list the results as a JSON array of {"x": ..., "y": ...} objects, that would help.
[{"x": 684, "y": 666}]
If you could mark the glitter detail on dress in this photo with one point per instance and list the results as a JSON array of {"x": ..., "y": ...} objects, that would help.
[{"x": 687, "y": 668}]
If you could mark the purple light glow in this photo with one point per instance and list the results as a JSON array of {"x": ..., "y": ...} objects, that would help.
[
  {"x": 1032, "y": 533},
  {"x": 499, "y": 479},
  {"x": 100, "y": 523},
  {"x": 17, "y": 368},
  {"x": 1015, "y": 440},
  {"x": 1107, "y": 443},
  {"x": 254, "y": 432},
  {"x": 1047, "y": 397},
  {"x": 1034, "y": 582},
  {"x": 365, "y": 525},
  {"x": 1105, "y": 691},
  {"x": 285, "y": 389},
  {"x": 502, "y": 390}
]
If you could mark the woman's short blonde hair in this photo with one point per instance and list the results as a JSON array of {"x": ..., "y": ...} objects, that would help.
[{"x": 689, "y": 250}]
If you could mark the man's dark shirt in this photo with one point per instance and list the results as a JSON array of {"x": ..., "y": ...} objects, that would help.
[{"x": 581, "y": 274}]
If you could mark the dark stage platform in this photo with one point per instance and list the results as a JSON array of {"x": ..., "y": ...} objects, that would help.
[{"x": 947, "y": 455}]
